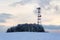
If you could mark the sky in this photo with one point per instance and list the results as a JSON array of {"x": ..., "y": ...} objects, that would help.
[{"x": 13, "y": 12}]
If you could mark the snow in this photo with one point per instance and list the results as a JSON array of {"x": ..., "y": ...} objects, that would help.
[{"x": 29, "y": 36}]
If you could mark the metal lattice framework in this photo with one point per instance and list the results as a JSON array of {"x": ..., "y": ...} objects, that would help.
[{"x": 39, "y": 16}]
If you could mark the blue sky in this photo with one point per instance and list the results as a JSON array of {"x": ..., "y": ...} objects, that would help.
[{"x": 14, "y": 12}]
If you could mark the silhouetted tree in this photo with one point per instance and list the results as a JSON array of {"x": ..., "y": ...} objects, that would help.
[{"x": 27, "y": 28}]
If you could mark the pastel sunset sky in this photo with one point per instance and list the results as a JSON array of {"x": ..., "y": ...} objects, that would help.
[{"x": 13, "y": 12}]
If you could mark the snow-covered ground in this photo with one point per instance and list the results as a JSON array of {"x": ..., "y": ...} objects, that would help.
[{"x": 29, "y": 36}]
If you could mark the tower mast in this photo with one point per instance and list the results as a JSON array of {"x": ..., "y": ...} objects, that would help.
[{"x": 39, "y": 16}]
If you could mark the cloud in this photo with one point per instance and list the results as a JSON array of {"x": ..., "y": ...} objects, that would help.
[
  {"x": 4, "y": 16},
  {"x": 52, "y": 27},
  {"x": 57, "y": 9},
  {"x": 50, "y": 11},
  {"x": 41, "y": 3},
  {"x": 3, "y": 28},
  {"x": 22, "y": 2}
]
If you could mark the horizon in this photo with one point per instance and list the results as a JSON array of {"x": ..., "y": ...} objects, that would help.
[
  {"x": 47, "y": 28},
  {"x": 13, "y": 12}
]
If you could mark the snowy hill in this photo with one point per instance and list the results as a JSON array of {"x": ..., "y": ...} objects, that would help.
[{"x": 29, "y": 36}]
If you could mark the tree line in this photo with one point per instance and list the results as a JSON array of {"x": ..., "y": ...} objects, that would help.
[{"x": 26, "y": 28}]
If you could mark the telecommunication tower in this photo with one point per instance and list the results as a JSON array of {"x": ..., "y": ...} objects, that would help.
[{"x": 39, "y": 16}]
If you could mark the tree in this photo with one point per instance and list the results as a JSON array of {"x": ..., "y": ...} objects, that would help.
[{"x": 27, "y": 28}]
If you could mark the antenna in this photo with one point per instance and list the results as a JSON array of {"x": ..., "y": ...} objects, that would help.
[{"x": 39, "y": 16}]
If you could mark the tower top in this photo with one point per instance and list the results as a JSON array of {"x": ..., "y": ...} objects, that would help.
[{"x": 38, "y": 8}]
